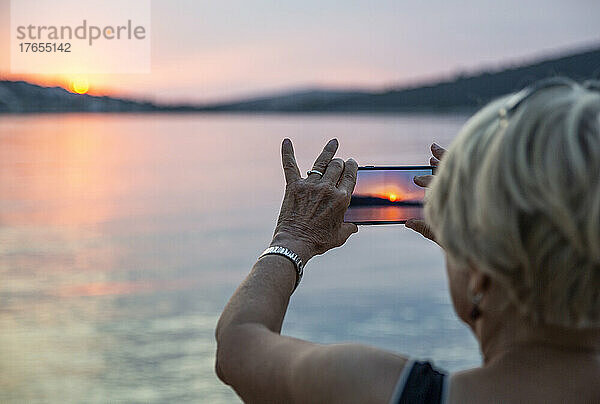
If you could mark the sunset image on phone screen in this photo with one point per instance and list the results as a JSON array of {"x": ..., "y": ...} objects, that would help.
[{"x": 384, "y": 196}]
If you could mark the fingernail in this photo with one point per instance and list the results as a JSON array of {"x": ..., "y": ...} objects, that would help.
[{"x": 335, "y": 140}]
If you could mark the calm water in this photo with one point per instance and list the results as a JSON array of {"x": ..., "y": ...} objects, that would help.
[
  {"x": 382, "y": 213},
  {"x": 123, "y": 236}
]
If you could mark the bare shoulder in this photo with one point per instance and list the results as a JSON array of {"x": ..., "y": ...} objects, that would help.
[
  {"x": 347, "y": 373},
  {"x": 526, "y": 382}
]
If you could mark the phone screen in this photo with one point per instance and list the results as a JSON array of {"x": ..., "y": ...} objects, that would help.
[{"x": 387, "y": 195}]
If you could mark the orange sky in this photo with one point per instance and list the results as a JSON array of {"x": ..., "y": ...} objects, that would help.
[{"x": 205, "y": 51}]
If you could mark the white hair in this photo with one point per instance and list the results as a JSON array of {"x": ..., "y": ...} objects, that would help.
[{"x": 519, "y": 198}]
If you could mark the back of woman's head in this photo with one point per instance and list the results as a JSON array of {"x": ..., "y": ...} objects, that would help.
[{"x": 518, "y": 195}]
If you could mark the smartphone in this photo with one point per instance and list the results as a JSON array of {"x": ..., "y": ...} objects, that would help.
[{"x": 387, "y": 195}]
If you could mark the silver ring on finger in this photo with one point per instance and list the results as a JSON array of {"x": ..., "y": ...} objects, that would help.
[{"x": 309, "y": 172}]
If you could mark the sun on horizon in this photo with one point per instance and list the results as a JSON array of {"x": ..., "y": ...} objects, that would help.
[{"x": 79, "y": 86}]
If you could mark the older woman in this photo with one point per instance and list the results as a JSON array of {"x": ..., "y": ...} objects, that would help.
[{"x": 515, "y": 206}]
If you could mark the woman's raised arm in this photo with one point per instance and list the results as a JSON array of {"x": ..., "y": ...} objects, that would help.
[{"x": 252, "y": 357}]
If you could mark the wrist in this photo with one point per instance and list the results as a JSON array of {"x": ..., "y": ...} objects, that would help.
[{"x": 301, "y": 248}]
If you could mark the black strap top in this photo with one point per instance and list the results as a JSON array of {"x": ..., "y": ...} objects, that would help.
[{"x": 421, "y": 383}]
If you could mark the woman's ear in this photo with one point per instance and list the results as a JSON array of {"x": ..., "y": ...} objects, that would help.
[{"x": 477, "y": 287}]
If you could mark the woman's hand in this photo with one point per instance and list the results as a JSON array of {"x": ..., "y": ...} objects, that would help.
[
  {"x": 419, "y": 225},
  {"x": 311, "y": 220}
]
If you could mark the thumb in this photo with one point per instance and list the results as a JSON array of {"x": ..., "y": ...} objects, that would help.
[
  {"x": 346, "y": 231},
  {"x": 420, "y": 226}
]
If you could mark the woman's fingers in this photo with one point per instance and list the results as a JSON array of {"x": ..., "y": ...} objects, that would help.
[
  {"x": 437, "y": 151},
  {"x": 348, "y": 180},
  {"x": 423, "y": 180},
  {"x": 324, "y": 158},
  {"x": 288, "y": 160},
  {"x": 334, "y": 170},
  {"x": 419, "y": 226}
]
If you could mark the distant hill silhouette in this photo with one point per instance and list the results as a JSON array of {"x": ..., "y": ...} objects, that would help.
[
  {"x": 20, "y": 96},
  {"x": 465, "y": 92},
  {"x": 366, "y": 201}
]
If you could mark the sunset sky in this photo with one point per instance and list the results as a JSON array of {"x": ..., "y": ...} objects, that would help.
[{"x": 215, "y": 50}]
